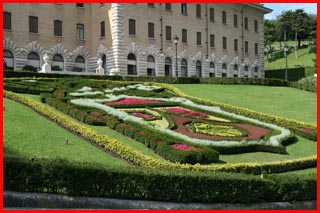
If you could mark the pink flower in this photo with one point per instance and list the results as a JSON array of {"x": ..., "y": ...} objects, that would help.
[
  {"x": 159, "y": 142},
  {"x": 131, "y": 129},
  {"x": 183, "y": 147},
  {"x": 122, "y": 124},
  {"x": 132, "y": 101},
  {"x": 142, "y": 133},
  {"x": 59, "y": 93},
  {"x": 187, "y": 112},
  {"x": 83, "y": 113},
  {"x": 306, "y": 130},
  {"x": 142, "y": 115}
]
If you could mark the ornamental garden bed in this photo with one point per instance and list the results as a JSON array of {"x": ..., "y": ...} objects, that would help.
[
  {"x": 166, "y": 143},
  {"x": 181, "y": 121}
]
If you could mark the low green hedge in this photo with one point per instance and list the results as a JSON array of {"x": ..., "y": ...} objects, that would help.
[
  {"x": 294, "y": 74},
  {"x": 84, "y": 179},
  {"x": 244, "y": 81}
]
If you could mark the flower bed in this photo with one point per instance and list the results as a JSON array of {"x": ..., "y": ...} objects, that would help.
[
  {"x": 143, "y": 115},
  {"x": 183, "y": 147},
  {"x": 181, "y": 111},
  {"x": 217, "y": 130},
  {"x": 129, "y": 101}
]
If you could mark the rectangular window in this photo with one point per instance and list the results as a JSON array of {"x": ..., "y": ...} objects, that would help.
[
  {"x": 80, "y": 31},
  {"x": 57, "y": 28},
  {"x": 80, "y": 4},
  {"x": 168, "y": 7},
  {"x": 132, "y": 27},
  {"x": 224, "y": 17},
  {"x": 246, "y": 23},
  {"x": 168, "y": 33},
  {"x": 211, "y": 40},
  {"x": 235, "y": 20},
  {"x": 199, "y": 38},
  {"x": 184, "y": 9},
  {"x": 102, "y": 29},
  {"x": 211, "y": 14},
  {"x": 256, "y": 26},
  {"x": 6, "y": 20},
  {"x": 150, "y": 30},
  {"x": 150, "y": 5},
  {"x": 235, "y": 45},
  {"x": 224, "y": 43},
  {"x": 198, "y": 11},
  {"x": 184, "y": 36},
  {"x": 256, "y": 49},
  {"x": 33, "y": 24},
  {"x": 246, "y": 46}
]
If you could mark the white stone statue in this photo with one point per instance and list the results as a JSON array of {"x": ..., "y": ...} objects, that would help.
[
  {"x": 46, "y": 66},
  {"x": 100, "y": 70}
]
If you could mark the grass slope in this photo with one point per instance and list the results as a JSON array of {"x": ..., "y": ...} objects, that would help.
[
  {"x": 281, "y": 101},
  {"x": 305, "y": 59},
  {"x": 30, "y": 135}
]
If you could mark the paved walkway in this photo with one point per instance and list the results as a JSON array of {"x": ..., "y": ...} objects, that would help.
[{"x": 19, "y": 200}]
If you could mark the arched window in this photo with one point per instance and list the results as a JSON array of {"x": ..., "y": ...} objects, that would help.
[
  {"x": 198, "y": 69},
  {"x": 184, "y": 68},
  {"x": 211, "y": 69},
  {"x": 256, "y": 69},
  {"x": 246, "y": 71},
  {"x": 80, "y": 64},
  {"x": 8, "y": 60},
  {"x": 224, "y": 70},
  {"x": 57, "y": 63},
  {"x": 168, "y": 67},
  {"x": 246, "y": 68},
  {"x": 151, "y": 66},
  {"x": 34, "y": 60},
  {"x": 235, "y": 67},
  {"x": 132, "y": 64}
]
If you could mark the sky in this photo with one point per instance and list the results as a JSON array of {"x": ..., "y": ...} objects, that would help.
[{"x": 279, "y": 7}]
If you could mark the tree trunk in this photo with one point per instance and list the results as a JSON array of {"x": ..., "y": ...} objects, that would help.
[{"x": 296, "y": 46}]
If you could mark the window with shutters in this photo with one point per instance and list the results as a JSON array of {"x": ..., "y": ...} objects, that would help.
[
  {"x": 132, "y": 27},
  {"x": 184, "y": 36},
  {"x": 212, "y": 40},
  {"x": 7, "y": 20},
  {"x": 199, "y": 38},
  {"x": 168, "y": 33},
  {"x": 150, "y": 30},
  {"x": 80, "y": 31},
  {"x": 57, "y": 28},
  {"x": 33, "y": 24}
]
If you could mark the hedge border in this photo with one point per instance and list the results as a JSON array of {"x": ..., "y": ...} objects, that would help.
[{"x": 138, "y": 158}]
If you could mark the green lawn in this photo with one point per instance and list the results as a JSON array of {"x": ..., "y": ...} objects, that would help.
[
  {"x": 304, "y": 59},
  {"x": 29, "y": 135},
  {"x": 281, "y": 101}
]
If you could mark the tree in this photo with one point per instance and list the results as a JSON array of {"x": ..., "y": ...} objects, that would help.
[{"x": 269, "y": 34}]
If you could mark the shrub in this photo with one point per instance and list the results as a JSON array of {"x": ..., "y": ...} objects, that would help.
[
  {"x": 56, "y": 68},
  {"x": 29, "y": 68}
]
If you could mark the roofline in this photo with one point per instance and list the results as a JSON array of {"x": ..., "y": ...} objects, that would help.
[{"x": 261, "y": 7}]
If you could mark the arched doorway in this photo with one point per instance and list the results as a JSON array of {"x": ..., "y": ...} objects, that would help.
[
  {"x": 132, "y": 64},
  {"x": 57, "y": 63},
  {"x": 211, "y": 70},
  {"x": 198, "y": 69},
  {"x": 184, "y": 68},
  {"x": 235, "y": 70},
  {"x": 224, "y": 70},
  {"x": 8, "y": 63},
  {"x": 168, "y": 67},
  {"x": 33, "y": 59},
  {"x": 151, "y": 66},
  {"x": 104, "y": 63},
  {"x": 80, "y": 65}
]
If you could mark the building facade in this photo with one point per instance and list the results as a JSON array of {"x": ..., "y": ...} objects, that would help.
[{"x": 213, "y": 40}]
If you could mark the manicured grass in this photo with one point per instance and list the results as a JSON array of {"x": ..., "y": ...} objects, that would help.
[
  {"x": 305, "y": 59},
  {"x": 113, "y": 134},
  {"x": 281, "y": 101},
  {"x": 28, "y": 135},
  {"x": 303, "y": 148}
]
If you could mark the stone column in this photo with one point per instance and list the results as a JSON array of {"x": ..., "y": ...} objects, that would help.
[{"x": 119, "y": 57}]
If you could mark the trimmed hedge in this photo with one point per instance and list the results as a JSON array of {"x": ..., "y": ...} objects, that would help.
[
  {"x": 244, "y": 81},
  {"x": 84, "y": 179},
  {"x": 130, "y": 154},
  {"x": 294, "y": 74}
]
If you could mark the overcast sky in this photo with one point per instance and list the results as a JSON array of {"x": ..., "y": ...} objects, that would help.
[{"x": 279, "y": 7}]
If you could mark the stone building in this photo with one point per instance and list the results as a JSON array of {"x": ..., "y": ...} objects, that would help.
[{"x": 221, "y": 40}]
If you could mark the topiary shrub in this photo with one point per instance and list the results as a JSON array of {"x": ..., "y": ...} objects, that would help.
[{"x": 29, "y": 68}]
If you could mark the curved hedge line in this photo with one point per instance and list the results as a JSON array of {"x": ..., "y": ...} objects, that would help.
[
  {"x": 84, "y": 179},
  {"x": 284, "y": 122},
  {"x": 138, "y": 158}
]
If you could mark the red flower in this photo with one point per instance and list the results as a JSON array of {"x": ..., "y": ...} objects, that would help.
[
  {"x": 306, "y": 130},
  {"x": 187, "y": 112},
  {"x": 122, "y": 124},
  {"x": 132, "y": 101},
  {"x": 159, "y": 142},
  {"x": 183, "y": 147},
  {"x": 143, "y": 115}
]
